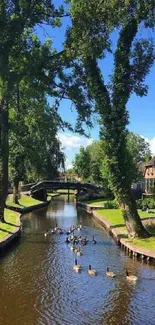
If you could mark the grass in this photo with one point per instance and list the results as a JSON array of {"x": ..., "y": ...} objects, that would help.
[
  {"x": 96, "y": 202},
  {"x": 24, "y": 201},
  {"x": 65, "y": 191},
  {"x": 114, "y": 216},
  {"x": 11, "y": 218}
]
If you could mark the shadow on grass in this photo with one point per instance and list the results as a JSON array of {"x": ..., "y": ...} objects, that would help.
[
  {"x": 122, "y": 236},
  {"x": 4, "y": 230},
  {"x": 117, "y": 226},
  {"x": 11, "y": 224}
]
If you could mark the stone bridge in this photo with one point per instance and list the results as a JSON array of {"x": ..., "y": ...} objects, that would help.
[{"x": 38, "y": 190}]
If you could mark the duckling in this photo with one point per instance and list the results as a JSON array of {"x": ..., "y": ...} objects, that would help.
[
  {"x": 132, "y": 278},
  {"x": 94, "y": 241},
  {"x": 110, "y": 274},
  {"x": 77, "y": 267},
  {"x": 79, "y": 252},
  {"x": 91, "y": 272}
]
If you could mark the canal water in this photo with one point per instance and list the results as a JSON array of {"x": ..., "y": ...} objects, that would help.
[{"x": 39, "y": 287}]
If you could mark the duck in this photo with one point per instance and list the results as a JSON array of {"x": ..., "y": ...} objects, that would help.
[
  {"x": 84, "y": 241},
  {"x": 79, "y": 252},
  {"x": 77, "y": 267},
  {"x": 132, "y": 278},
  {"x": 56, "y": 227},
  {"x": 110, "y": 274},
  {"x": 59, "y": 231},
  {"x": 46, "y": 233},
  {"x": 73, "y": 248},
  {"x": 67, "y": 240},
  {"x": 79, "y": 227},
  {"x": 94, "y": 241},
  {"x": 91, "y": 271}
]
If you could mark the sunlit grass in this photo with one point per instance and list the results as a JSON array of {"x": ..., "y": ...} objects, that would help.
[
  {"x": 24, "y": 201},
  {"x": 146, "y": 243},
  {"x": 96, "y": 202},
  {"x": 12, "y": 220},
  {"x": 65, "y": 191},
  {"x": 114, "y": 216}
]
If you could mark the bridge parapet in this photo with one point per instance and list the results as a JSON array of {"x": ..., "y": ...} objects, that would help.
[{"x": 55, "y": 185}]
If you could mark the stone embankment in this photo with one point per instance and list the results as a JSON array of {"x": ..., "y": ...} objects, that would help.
[{"x": 130, "y": 248}]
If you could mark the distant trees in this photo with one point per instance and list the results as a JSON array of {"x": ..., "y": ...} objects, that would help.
[{"x": 90, "y": 165}]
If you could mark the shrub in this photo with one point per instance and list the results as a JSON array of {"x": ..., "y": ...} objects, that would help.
[
  {"x": 111, "y": 205},
  {"x": 148, "y": 203}
]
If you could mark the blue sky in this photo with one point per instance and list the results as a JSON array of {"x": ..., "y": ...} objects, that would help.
[{"x": 141, "y": 110}]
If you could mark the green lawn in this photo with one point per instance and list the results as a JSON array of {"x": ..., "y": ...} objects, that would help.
[
  {"x": 65, "y": 191},
  {"x": 96, "y": 202},
  {"x": 12, "y": 219},
  {"x": 25, "y": 201},
  {"x": 114, "y": 216}
]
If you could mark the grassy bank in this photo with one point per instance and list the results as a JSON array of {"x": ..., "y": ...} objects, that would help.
[
  {"x": 114, "y": 217},
  {"x": 24, "y": 201},
  {"x": 11, "y": 225},
  {"x": 12, "y": 217}
]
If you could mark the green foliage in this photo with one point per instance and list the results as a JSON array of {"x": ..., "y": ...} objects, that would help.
[
  {"x": 111, "y": 204},
  {"x": 82, "y": 164},
  {"x": 147, "y": 203}
]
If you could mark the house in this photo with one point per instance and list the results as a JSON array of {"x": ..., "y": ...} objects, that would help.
[{"x": 149, "y": 176}]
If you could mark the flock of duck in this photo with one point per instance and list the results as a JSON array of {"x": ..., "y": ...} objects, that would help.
[{"x": 78, "y": 240}]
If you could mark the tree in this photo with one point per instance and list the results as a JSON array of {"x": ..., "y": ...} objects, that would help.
[
  {"x": 18, "y": 19},
  {"x": 92, "y": 25},
  {"x": 82, "y": 164},
  {"x": 34, "y": 148}
]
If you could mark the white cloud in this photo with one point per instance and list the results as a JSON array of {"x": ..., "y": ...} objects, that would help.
[
  {"x": 68, "y": 163},
  {"x": 73, "y": 142},
  {"x": 152, "y": 144}
]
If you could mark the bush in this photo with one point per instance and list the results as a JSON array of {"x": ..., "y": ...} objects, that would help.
[
  {"x": 148, "y": 203},
  {"x": 111, "y": 205}
]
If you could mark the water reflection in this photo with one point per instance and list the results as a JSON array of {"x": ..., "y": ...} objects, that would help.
[{"x": 38, "y": 285}]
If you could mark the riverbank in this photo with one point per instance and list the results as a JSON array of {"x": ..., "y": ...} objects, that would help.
[
  {"x": 11, "y": 229},
  {"x": 112, "y": 221}
]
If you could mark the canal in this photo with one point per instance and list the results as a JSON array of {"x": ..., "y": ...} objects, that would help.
[{"x": 39, "y": 287}]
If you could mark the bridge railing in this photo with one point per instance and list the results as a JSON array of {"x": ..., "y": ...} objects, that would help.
[{"x": 47, "y": 184}]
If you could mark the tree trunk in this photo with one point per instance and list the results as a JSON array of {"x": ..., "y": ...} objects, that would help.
[
  {"x": 113, "y": 119},
  {"x": 15, "y": 191},
  {"x": 3, "y": 156},
  {"x": 132, "y": 219}
]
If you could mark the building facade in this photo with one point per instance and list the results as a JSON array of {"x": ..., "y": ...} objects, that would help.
[{"x": 149, "y": 176}]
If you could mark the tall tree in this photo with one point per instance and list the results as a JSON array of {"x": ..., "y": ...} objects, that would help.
[
  {"x": 17, "y": 18},
  {"x": 93, "y": 24}
]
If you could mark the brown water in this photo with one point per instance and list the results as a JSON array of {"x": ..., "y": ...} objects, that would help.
[{"x": 38, "y": 286}]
